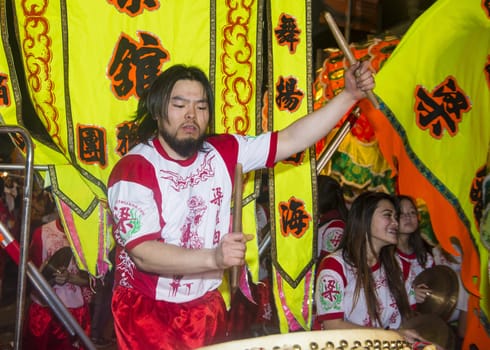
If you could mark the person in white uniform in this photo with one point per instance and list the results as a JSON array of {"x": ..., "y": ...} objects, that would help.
[
  {"x": 361, "y": 284},
  {"x": 170, "y": 199}
]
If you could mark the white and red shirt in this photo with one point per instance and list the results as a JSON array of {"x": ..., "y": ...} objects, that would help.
[
  {"x": 47, "y": 240},
  {"x": 184, "y": 203},
  {"x": 330, "y": 233},
  {"x": 411, "y": 268},
  {"x": 334, "y": 295}
]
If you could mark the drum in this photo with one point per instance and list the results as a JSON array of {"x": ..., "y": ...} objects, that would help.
[
  {"x": 320, "y": 340},
  {"x": 432, "y": 328}
]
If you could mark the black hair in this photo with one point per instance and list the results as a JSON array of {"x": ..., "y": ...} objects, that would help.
[
  {"x": 356, "y": 243},
  {"x": 420, "y": 247},
  {"x": 330, "y": 196}
]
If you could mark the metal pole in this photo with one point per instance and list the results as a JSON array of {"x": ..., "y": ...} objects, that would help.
[
  {"x": 29, "y": 269},
  {"x": 22, "y": 167},
  {"x": 24, "y": 230}
]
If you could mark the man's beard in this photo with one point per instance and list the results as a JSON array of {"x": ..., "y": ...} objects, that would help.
[{"x": 185, "y": 148}]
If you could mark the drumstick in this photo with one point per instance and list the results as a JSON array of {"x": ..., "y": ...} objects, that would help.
[
  {"x": 237, "y": 219},
  {"x": 347, "y": 52}
]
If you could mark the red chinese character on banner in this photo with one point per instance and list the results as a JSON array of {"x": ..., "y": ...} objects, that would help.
[
  {"x": 294, "y": 218},
  {"x": 91, "y": 145},
  {"x": 126, "y": 137},
  {"x": 487, "y": 70},
  {"x": 135, "y": 7},
  {"x": 295, "y": 159},
  {"x": 486, "y": 7},
  {"x": 476, "y": 194},
  {"x": 288, "y": 97},
  {"x": 135, "y": 64},
  {"x": 4, "y": 91},
  {"x": 287, "y": 32},
  {"x": 441, "y": 110}
]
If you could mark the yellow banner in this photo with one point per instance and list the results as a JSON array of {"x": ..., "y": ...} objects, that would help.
[
  {"x": 9, "y": 88},
  {"x": 293, "y": 213},
  {"x": 237, "y": 81},
  {"x": 435, "y": 132},
  {"x": 86, "y": 64}
]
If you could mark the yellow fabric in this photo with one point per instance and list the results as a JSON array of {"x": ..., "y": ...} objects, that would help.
[
  {"x": 450, "y": 41},
  {"x": 86, "y": 68},
  {"x": 8, "y": 79},
  {"x": 237, "y": 65},
  {"x": 289, "y": 24}
]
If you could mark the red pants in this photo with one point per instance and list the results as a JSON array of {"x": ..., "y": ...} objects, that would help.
[
  {"x": 43, "y": 331},
  {"x": 142, "y": 323}
]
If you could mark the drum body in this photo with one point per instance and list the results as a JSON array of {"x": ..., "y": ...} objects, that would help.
[{"x": 318, "y": 340}]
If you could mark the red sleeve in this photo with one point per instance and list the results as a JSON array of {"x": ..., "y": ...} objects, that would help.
[
  {"x": 330, "y": 263},
  {"x": 133, "y": 168},
  {"x": 271, "y": 160}
]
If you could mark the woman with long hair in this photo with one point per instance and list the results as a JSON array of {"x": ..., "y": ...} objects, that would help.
[
  {"x": 414, "y": 252},
  {"x": 416, "y": 255},
  {"x": 361, "y": 284}
]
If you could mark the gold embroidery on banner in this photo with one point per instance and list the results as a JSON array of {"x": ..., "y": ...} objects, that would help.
[
  {"x": 237, "y": 67},
  {"x": 37, "y": 47}
]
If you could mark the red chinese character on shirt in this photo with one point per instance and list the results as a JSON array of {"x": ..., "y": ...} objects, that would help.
[{"x": 330, "y": 293}]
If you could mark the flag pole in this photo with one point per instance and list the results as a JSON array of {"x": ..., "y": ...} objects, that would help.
[
  {"x": 237, "y": 220},
  {"x": 347, "y": 52}
]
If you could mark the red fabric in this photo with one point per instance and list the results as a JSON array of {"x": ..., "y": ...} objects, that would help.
[
  {"x": 245, "y": 318},
  {"x": 43, "y": 331},
  {"x": 142, "y": 323}
]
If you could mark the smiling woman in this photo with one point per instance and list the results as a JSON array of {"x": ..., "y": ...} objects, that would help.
[{"x": 352, "y": 294}]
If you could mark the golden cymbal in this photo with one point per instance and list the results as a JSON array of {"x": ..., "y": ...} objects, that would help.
[
  {"x": 432, "y": 328},
  {"x": 444, "y": 286},
  {"x": 60, "y": 259}
]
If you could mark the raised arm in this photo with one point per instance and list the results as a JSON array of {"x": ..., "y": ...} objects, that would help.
[{"x": 306, "y": 131}]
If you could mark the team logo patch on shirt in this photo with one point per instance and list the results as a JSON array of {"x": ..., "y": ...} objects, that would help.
[
  {"x": 331, "y": 297},
  {"x": 128, "y": 221}
]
